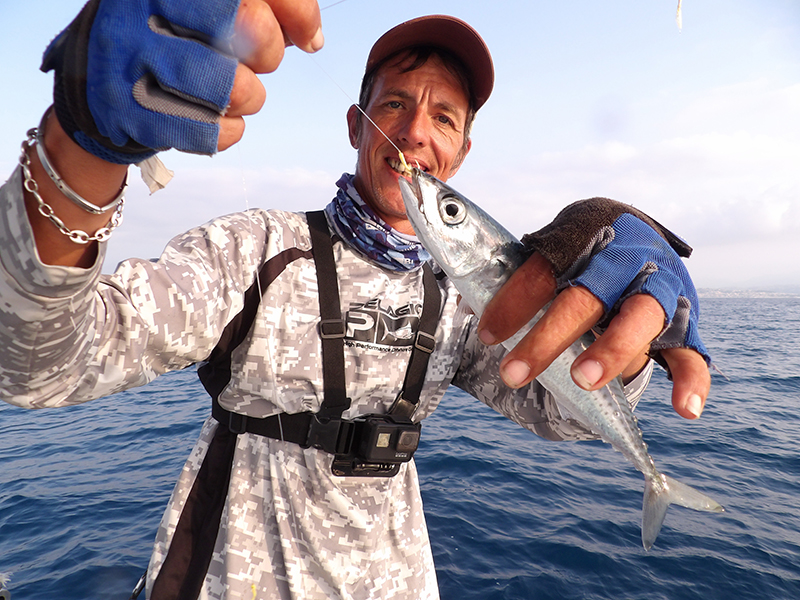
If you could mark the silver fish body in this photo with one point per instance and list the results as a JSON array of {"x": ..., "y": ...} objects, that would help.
[{"x": 479, "y": 255}]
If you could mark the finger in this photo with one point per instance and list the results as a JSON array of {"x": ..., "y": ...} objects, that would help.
[
  {"x": 691, "y": 381},
  {"x": 231, "y": 130},
  {"x": 247, "y": 98},
  {"x": 258, "y": 41},
  {"x": 624, "y": 342},
  {"x": 263, "y": 29},
  {"x": 301, "y": 23},
  {"x": 248, "y": 93},
  {"x": 521, "y": 297},
  {"x": 572, "y": 313}
]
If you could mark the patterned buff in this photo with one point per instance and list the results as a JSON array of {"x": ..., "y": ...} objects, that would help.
[{"x": 361, "y": 228}]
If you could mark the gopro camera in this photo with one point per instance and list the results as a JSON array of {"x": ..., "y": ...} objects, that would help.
[{"x": 376, "y": 446}]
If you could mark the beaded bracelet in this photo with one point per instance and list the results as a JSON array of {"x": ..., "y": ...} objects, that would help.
[{"x": 77, "y": 236}]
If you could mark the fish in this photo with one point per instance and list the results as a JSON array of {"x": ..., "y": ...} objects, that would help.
[{"x": 478, "y": 255}]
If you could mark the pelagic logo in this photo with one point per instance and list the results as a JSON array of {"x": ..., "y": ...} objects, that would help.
[{"x": 386, "y": 326}]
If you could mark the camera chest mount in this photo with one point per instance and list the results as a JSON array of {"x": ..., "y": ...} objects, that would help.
[{"x": 373, "y": 445}]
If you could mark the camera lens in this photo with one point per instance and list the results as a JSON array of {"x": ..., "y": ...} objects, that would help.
[{"x": 408, "y": 441}]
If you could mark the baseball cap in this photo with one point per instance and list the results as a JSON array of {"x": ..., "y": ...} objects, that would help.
[{"x": 442, "y": 31}]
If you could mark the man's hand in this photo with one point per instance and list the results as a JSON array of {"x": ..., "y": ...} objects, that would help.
[
  {"x": 264, "y": 28},
  {"x": 629, "y": 260},
  {"x": 90, "y": 163},
  {"x": 137, "y": 76}
]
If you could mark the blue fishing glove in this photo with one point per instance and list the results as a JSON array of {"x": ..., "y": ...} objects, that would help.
[
  {"x": 616, "y": 251},
  {"x": 133, "y": 77}
]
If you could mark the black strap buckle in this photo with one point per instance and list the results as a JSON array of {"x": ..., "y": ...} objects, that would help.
[
  {"x": 331, "y": 329},
  {"x": 402, "y": 408},
  {"x": 237, "y": 422},
  {"x": 334, "y": 436},
  {"x": 425, "y": 342}
]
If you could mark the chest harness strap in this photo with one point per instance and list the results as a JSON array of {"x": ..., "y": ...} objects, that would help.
[{"x": 325, "y": 429}]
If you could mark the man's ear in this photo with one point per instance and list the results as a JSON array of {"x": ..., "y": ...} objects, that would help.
[
  {"x": 462, "y": 154},
  {"x": 354, "y": 125}
]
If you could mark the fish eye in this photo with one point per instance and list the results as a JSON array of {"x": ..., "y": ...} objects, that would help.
[{"x": 452, "y": 210}]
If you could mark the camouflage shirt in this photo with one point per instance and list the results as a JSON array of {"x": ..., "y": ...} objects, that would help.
[{"x": 288, "y": 528}]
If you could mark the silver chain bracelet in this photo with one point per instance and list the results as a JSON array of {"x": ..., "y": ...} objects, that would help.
[{"x": 75, "y": 235}]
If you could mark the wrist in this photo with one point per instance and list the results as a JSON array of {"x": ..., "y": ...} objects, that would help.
[
  {"x": 59, "y": 224},
  {"x": 91, "y": 177}
]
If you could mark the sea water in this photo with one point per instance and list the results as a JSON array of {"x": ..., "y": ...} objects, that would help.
[{"x": 511, "y": 516}]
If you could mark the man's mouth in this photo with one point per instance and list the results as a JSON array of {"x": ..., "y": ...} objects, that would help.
[{"x": 405, "y": 169}]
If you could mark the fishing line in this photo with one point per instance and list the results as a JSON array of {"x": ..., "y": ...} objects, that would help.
[
  {"x": 244, "y": 183},
  {"x": 358, "y": 106},
  {"x": 289, "y": 509},
  {"x": 406, "y": 168},
  {"x": 330, "y": 5}
]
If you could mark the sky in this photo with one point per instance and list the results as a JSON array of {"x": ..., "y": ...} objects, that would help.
[{"x": 698, "y": 127}]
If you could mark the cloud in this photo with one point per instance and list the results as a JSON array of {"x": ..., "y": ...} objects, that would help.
[
  {"x": 197, "y": 195},
  {"x": 751, "y": 178},
  {"x": 760, "y": 105},
  {"x": 724, "y": 173}
]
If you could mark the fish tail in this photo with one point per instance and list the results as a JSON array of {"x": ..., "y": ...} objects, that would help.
[
  {"x": 658, "y": 495},
  {"x": 4, "y": 579}
]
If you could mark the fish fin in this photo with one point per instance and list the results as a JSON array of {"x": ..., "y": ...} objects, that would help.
[
  {"x": 656, "y": 502},
  {"x": 654, "y": 509},
  {"x": 718, "y": 370},
  {"x": 684, "y": 495}
]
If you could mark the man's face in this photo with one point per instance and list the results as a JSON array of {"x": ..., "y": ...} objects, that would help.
[{"x": 424, "y": 113}]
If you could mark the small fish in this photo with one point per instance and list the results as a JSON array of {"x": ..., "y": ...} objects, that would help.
[{"x": 479, "y": 255}]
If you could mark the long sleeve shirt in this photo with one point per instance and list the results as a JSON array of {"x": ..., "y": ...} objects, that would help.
[{"x": 289, "y": 528}]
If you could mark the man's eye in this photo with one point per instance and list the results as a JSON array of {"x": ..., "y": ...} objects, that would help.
[
  {"x": 393, "y": 104},
  {"x": 445, "y": 120}
]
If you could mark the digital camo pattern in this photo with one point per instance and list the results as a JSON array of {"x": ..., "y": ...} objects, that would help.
[{"x": 289, "y": 528}]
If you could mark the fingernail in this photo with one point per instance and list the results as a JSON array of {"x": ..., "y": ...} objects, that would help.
[
  {"x": 515, "y": 373},
  {"x": 486, "y": 336},
  {"x": 694, "y": 405},
  {"x": 318, "y": 41},
  {"x": 587, "y": 373}
]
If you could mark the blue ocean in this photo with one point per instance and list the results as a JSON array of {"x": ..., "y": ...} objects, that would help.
[{"x": 511, "y": 516}]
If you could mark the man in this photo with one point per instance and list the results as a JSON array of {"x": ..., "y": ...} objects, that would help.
[{"x": 265, "y": 506}]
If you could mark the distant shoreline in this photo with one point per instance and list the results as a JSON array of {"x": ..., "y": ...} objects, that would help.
[{"x": 713, "y": 293}]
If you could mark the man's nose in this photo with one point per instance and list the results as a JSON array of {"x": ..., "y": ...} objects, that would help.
[{"x": 416, "y": 129}]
